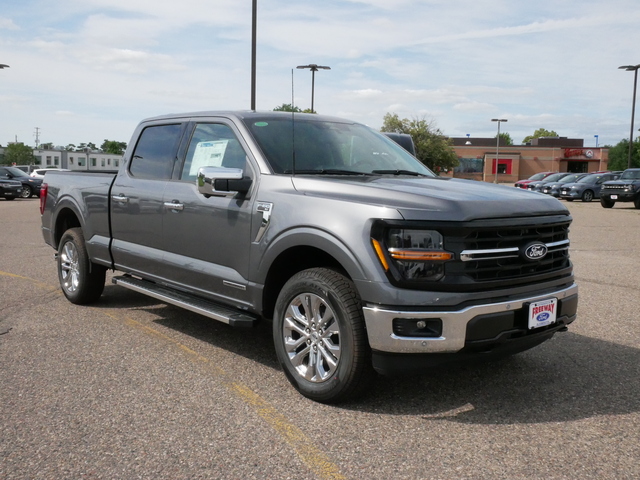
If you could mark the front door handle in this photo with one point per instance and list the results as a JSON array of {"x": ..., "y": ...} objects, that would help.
[{"x": 120, "y": 198}]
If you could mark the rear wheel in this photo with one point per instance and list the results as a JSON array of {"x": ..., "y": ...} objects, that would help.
[
  {"x": 82, "y": 282},
  {"x": 319, "y": 336},
  {"x": 607, "y": 203},
  {"x": 636, "y": 202},
  {"x": 587, "y": 196}
]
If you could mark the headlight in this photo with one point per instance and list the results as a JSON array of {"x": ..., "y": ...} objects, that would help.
[{"x": 412, "y": 255}]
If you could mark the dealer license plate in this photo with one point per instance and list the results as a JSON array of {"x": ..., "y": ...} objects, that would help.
[
  {"x": 614, "y": 197},
  {"x": 543, "y": 313}
]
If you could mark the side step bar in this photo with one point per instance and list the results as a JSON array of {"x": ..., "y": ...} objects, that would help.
[{"x": 227, "y": 315}]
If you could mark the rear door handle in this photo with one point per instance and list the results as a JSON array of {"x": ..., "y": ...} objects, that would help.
[{"x": 174, "y": 205}]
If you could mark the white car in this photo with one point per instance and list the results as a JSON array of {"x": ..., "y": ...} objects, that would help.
[{"x": 40, "y": 172}]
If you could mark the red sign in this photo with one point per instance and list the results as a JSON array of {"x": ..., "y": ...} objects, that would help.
[{"x": 573, "y": 152}]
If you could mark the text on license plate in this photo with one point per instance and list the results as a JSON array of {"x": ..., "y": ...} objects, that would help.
[{"x": 543, "y": 313}]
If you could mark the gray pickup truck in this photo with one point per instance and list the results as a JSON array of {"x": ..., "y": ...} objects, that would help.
[{"x": 363, "y": 259}]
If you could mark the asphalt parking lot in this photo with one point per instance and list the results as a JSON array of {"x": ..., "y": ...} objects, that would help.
[{"x": 132, "y": 388}]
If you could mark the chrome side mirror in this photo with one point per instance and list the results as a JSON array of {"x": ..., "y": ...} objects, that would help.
[{"x": 220, "y": 181}]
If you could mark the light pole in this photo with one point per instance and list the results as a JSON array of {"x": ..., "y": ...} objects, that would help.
[
  {"x": 2, "y": 65},
  {"x": 632, "y": 68},
  {"x": 498, "y": 145},
  {"x": 314, "y": 68}
]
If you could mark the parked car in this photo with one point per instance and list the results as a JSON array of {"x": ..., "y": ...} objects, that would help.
[
  {"x": 536, "y": 185},
  {"x": 625, "y": 189},
  {"x": 553, "y": 188},
  {"x": 10, "y": 189},
  {"x": 587, "y": 188},
  {"x": 532, "y": 178},
  {"x": 40, "y": 172},
  {"x": 30, "y": 186}
]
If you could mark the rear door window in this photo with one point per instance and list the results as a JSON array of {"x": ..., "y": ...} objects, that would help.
[{"x": 155, "y": 152}]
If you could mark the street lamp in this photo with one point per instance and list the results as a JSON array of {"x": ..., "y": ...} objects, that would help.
[
  {"x": 632, "y": 68},
  {"x": 498, "y": 145},
  {"x": 314, "y": 68},
  {"x": 2, "y": 65}
]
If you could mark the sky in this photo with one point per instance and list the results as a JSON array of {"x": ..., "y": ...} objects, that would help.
[{"x": 85, "y": 71}]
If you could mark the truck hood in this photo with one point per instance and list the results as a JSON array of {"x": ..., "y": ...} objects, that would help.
[{"x": 424, "y": 198}]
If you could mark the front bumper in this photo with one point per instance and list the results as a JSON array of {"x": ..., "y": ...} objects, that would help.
[
  {"x": 12, "y": 193},
  {"x": 620, "y": 196},
  {"x": 475, "y": 328}
]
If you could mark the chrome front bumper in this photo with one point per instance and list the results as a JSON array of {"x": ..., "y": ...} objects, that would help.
[{"x": 379, "y": 322}]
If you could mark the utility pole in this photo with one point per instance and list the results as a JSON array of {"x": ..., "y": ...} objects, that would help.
[{"x": 37, "y": 135}]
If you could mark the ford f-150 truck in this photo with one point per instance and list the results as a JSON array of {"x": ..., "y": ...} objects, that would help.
[{"x": 362, "y": 258}]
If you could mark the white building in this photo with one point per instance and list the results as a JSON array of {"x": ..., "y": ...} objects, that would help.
[{"x": 93, "y": 161}]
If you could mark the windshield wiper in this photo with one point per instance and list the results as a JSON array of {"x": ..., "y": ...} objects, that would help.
[
  {"x": 327, "y": 171},
  {"x": 399, "y": 172}
]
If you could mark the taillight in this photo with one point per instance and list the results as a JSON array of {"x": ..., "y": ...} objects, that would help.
[{"x": 43, "y": 197}]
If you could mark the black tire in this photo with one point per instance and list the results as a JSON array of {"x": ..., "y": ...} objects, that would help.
[
  {"x": 607, "y": 203},
  {"x": 636, "y": 202},
  {"x": 9, "y": 198},
  {"x": 330, "y": 360},
  {"x": 569, "y": 199},
  {"x": 82, "y": 282},
  {"x": 587, "y": 196},
  {"x": 26, "y": 191}
]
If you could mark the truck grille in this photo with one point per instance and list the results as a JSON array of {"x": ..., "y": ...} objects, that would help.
[
  {"x": 490, "y": 254},
  {"x": 613, "y": 187}
]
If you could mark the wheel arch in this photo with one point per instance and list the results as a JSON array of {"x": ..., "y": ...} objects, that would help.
[{"x": 301, "y": 250}]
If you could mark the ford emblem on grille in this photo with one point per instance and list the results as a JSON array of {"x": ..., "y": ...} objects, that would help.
[{"x": 535, "y": 251}]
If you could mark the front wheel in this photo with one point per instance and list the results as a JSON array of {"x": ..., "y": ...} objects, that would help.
[
  {"x": 82, "y": 282},
  {"x": 320, "y": 338},
  {"x": 587, "y": 196},
  {"x": 607, "y": 203},
  {"x": 26, "y": 191}
]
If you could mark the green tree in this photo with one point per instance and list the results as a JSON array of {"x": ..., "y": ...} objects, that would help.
[
  {"x": 113, "y": 147},
  {"x": 287, "y": 107},
  {"x": 432, "y": 147},
  {"x": 18, "y": 153},
  {"x": 541, "y": 132},
  {"x": 619, "y": 155},
  {"x": 505, "y": 138}
]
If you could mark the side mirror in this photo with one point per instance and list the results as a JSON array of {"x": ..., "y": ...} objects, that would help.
[{"x": 222, "y": 182}]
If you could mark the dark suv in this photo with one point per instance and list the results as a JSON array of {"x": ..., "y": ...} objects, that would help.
[
  {"x": 624, "y": 189},
  {"x": 30, "y": 185}
]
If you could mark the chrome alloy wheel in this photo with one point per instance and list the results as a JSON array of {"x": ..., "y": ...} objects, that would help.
[
  {"x": 312, "y": 337},
  {"x": 69, "y": 267}
]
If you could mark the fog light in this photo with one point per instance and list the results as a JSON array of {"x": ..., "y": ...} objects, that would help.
[{"x": 413, "y": 327}]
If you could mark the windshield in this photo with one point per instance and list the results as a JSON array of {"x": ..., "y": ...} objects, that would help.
[
  {"x": 569, "y": 179},
  {"x": 554, "y": 177},
  {"x": 329, "y": 147},
  {"x": 589, "y": 179},
  {"x": 16, "y": 172},
  {"x": 537, "y": 176},
  {"x": 630, "y": 175}
]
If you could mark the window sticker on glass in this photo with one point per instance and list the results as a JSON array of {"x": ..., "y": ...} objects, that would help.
[{"x": 208, "y": 154}]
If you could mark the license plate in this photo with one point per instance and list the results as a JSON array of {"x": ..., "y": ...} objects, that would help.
[
  {"x": 564, "y": 192},
  {"x": 543, "y": 313},
  {"x": 614, "y": 197}
]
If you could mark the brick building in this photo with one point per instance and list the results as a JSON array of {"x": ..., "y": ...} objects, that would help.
[{"x": 516, "y": 162}]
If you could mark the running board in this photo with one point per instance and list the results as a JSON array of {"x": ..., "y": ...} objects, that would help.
[{"x": 234, "y": 318}]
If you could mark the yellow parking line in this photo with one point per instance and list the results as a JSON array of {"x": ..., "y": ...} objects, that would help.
[{"x": 314, "y": 458}]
